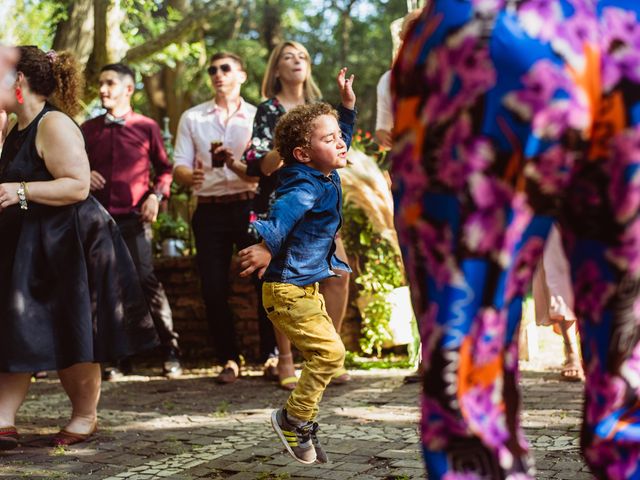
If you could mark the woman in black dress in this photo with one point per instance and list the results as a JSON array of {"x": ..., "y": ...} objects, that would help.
[{"x": 69, "y": 294}]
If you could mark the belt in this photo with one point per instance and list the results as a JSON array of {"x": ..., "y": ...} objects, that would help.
[{"x": 233, "y": 197}]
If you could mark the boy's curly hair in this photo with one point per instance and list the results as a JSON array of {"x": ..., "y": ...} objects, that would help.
[{"x": 295, "y": 127}]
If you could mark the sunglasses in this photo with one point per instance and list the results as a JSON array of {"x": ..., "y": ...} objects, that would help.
[{"x": 224, "y": 68}]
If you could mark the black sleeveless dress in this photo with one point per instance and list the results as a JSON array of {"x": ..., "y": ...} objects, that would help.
[{"x": 69, "y": 291}]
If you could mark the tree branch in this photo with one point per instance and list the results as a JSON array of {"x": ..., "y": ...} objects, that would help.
[{"x": 192, "y": 21}]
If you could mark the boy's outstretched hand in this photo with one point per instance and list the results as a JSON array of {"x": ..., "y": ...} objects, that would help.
[
  {"x": 254, "y": 258},
  {"x": 345, "y": 85}
]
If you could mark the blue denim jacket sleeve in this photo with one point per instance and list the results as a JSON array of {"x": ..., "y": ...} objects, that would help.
[
  {"x": 295, "y": 198},
  {"x": 346, "y": 121}
]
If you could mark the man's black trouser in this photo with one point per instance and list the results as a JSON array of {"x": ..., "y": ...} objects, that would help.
[{"x": 137, "y": 236}]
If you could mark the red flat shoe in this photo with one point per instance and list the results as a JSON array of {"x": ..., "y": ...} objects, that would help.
[
  {"x": 64, "y": 438},
  {"x": 8, "y": 438}
]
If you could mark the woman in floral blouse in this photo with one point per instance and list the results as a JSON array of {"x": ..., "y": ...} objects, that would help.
[
  {"x": 288, "y": 83},
  {"x": 510, "y": 115}
]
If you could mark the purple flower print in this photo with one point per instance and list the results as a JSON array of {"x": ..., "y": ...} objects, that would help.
[
  {"x": 520, "y": 275},
  {"x": 431, "y": 333},
  {"x": 630, "y": 369},
  {"x": 438, "y": 425},
  {"x": 435, "y": 244},
  {"x": 485, "y": 415},
  {"x": 540, "y": 84},
  {"x": 624, "y": 186},
  {"x": 522, "y": 215},
  {"x": 619, "y": 462},
  {"x": 490, "y": 326},
  {"x": 463, "y": 60},
  {"x": 484, "y": 228},
  {"x": 519, "y": 476},
  {"x": 605, "y": 395},
  {"x": 551, "y": 170},
  {"x": 626, "y": 255},
  {"x": 535, "y": 101},
  {"x": 574, "y": 34},
  {"x": 592, "y": 291},
  {"x": 540, "y": 18},
  {"x": 621, "y": 43},
  {"x": 407, "y": 166},
  {"x": 461, "y": 476},
  {"x": 462, "y": 154}
]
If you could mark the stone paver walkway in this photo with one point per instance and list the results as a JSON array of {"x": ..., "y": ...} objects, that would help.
[{"x": 152, "y": 428}]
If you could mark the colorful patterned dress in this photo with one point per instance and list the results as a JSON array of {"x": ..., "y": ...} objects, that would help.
[{"x": 511, "y": 115}]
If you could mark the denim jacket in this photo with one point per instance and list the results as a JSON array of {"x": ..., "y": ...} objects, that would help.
[{"x": 302, "y": 224}]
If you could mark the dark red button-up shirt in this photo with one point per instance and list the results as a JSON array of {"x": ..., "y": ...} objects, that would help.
[{"x": 123, "y": 155}]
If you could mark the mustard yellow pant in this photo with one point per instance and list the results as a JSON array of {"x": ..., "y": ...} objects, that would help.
[{"x": 300, "y": 313}]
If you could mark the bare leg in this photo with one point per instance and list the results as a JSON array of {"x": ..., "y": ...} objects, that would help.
[
  {"x": 13, "y": 390},
  {"x": 286, "y": 370},
  {"x": 82, "y": 384},
  {"x": 572, "y": 368}
]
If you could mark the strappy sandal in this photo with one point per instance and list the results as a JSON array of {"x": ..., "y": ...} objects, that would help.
[
  {"x": 64, "y": 438},
  {"x": 8, "y": 438},
  {"x": 572, "y": 369}
]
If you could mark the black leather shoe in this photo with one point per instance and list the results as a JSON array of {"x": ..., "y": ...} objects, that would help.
[{"x": 171, "y": 367}]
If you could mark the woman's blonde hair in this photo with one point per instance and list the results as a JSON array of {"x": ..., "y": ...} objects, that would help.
[{"x": 271, "y": 85}]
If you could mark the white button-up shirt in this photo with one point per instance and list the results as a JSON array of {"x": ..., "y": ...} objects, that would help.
[{"x": 203, "y": 124}]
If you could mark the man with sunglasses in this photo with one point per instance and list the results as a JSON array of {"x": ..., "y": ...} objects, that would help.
[
  {"x": 208, "y": 135},
  {"x": 126, "y": 153}
]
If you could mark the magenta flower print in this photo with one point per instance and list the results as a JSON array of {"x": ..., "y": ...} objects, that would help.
[
  {"x": 621, "y": 41},
  {"x": 630, "y": 369},
  {"x": 592, "y": 291},
  {"x": 520, "y": 275},
  {"x": 540, "y": 18},
  {"x": 430, "y": 332},
  {"x": 574, "y": 35},
  {"x": 484, "y": 228},
  {"x": 551, "y": 170},
  {"x": 624, "y": 185},
  {"x": 438, "y": 424},
  {"x": 605, "y": 395},
  {"x": 626, "y": 254},
  {"x": 435, "y": 244},
  {"x": 462, "y": 154},
  {"x": 462, "y": 59},
  {"x": 461, "y": 476},
  {"x": 485, "y": 414},
  {"x": 522, "y": 215},
  {"x": 489, "y": 336},
  {"x": 619, "y": 463}
]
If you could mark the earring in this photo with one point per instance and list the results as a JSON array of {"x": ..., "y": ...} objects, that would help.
[{"x": 19, "y": 96}]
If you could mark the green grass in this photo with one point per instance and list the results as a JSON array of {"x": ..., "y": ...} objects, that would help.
[
  {"x": 221, "y": 411},
  {"x": 354, "y": 362}
]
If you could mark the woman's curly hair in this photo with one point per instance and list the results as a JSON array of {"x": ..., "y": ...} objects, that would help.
[
  {"x": 294, "y": 129},
  {"x": 53, "y": 75}
]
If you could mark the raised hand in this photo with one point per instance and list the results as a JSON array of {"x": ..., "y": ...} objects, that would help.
[{"x": 345, "y": 86}]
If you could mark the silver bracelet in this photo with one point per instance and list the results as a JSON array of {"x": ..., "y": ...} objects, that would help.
[{"x": 22, "y": 196}]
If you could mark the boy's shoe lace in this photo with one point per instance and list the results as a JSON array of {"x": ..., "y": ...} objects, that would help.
[
  {"x": 296, "y": 439},
  {"x": 321, "y": 455}
]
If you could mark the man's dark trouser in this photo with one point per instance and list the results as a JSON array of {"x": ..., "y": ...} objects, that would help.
[
  {"x": 217, "y": 228},
  {"x": 137, "y": 236}
]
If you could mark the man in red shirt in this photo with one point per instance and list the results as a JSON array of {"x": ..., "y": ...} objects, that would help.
[{"x": 123, "y": 146}]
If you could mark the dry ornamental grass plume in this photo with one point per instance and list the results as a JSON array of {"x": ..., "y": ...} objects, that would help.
[{"x": 365, "y": 186}]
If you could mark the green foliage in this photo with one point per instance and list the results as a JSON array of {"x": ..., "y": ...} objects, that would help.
[
  {"x": 353, "y": 361},
  {"x": 41, "y": 17},
  {"x": 378, "y": 273},
  {"x": 168, "y": 226}
]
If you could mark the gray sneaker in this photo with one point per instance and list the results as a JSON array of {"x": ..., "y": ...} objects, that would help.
[
  {"x": 297, "y": 440},
  {"x": 321, "y": 455}
]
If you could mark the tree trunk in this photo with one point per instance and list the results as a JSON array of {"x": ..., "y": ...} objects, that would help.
[
  {"x": 271, "y": 23},
  {"x": 75, "y": 34}
]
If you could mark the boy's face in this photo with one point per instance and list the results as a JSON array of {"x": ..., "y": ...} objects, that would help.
[
  {"x": 328, "y": 150},
  {"x": 115, "y": 90}
]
